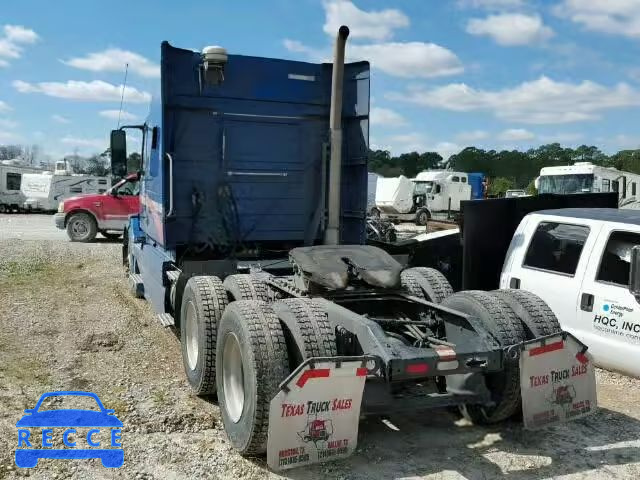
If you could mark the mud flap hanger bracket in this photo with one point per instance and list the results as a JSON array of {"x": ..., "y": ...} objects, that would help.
[
  {"x": 372, "y": 363},
  {"x": 512, "y": 352}
]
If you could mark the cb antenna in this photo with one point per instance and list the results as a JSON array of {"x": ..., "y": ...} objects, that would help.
[{"x": 124, "y": 85}]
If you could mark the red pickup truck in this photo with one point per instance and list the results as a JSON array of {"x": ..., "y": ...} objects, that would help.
[{"x": 107, "y": 213}]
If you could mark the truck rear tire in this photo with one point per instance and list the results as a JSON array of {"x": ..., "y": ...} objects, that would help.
[
  {"x": 307, "y": 330},
  {"x": 433, "y": 285},
  {"x": 203, "y": 303},
  {"x": 245, "y": 287},
  {"x": 252, "y": 361},
  {"x": 82, "y": 227},
  {"x": 506, "y": 327},
  {"x": 422, "y": 217},
  {"x": 536, "y": 316}
]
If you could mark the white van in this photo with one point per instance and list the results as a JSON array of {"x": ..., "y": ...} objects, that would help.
[{"x": 579, "y": 261}]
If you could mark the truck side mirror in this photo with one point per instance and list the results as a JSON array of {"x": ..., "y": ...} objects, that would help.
[
  {"x": 118, "y": 153},
  {"x": 634, "y": 272}
]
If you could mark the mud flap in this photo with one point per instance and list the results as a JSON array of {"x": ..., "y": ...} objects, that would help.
[
  {"x": 557, "y": 379},
  {"x": 314, "y": 417}
]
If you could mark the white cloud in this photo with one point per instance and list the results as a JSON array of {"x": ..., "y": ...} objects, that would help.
[
  {"x": 4, "y": 107},
  {"x": 313, "y": 54},
  {"x": 626, "y": 142},
  {"x": 472, "y": 136},
  {"x": 542, "y": 101},
  {"x": 516, "y": 135},
  {"x": 409, "y": 59},
  {"x": 374, "y": 25},
  {"x": 406, "y": 142},
  {"x": 386, "y": 117},
  {"x": 491, "y": 4},
  {"x": 511, "y": 29},
  {"x": 9, "y": 137},
  {"x": 616, "y": 17},
  {"x": 20, "y": 34},
  {"x": 115, "y": 114},
  {"x": 114, "y": 60},
  {"x": 13, "y": 40},
  {"x": 446, "y": 149},
  {"x": 8, "y": 124},
  {"x": 59, "y": 119},
  {"x": 96, "y": 91},
  {"x": 80, "y": 142}
]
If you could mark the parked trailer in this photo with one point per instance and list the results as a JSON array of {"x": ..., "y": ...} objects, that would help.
[
  {"x": 294, "y": 323},
  {"x": 44, "y": 191},
  {"x": 11, "y": 197}
]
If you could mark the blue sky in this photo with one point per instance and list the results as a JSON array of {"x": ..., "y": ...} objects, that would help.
[{"x": 445, "y": 74}]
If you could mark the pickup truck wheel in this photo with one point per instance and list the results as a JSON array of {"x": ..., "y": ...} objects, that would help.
[
  {"x": 245, "y": 287},
  {"x": 307, "y": 330},
  {"x": 81, "y": 227},
  {"x": 252, "y": 361},
  {"x": 505, "y": 326},
  {"x": 434, "y": 285},
  {"x": 203, "y": 302},
  {"x": 536, "y": 316},
  {"x": 422, "y": 217}
]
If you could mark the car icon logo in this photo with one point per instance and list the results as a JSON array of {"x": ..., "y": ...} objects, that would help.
[{"x": 100, "y": 423}]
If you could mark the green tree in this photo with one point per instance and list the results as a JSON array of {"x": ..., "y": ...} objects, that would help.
[{"x": 499, "y": 186}]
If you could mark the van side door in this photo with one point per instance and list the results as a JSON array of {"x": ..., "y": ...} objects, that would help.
[
  {"x": 551, "y": 261},
  {"x": 609, "y": 314}
]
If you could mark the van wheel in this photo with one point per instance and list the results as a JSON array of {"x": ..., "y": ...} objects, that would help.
[
  {"x": 505, "y": 326},
  {"x": 422, "y": 217},
  {"x": 536, "y": 316},
  {"x": 252, "y": 360},
  {"x": 431, "y": 282},
  {"x": 81, "y": 227},
  {"x": 203, "y": 302},
  {"x": 245, "y": 287},
  {"x": 307, "y": 331}
]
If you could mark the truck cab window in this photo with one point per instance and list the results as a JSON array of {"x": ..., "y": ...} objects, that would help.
[
  {"x": 605, "y": 185},
  {"x": 13, "y": 181},
  {"x": 455, "y": 179},
  {"x": 556, "y": 247},
  {"x": 614, "y": 266},
  {"x": 464, "y": 179},
  {"x": 633, "y": 189},
  {"x": 129, "y": 188}
]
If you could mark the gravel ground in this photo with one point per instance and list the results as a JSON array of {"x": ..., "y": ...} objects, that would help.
[{"x": 68, "y": 322}]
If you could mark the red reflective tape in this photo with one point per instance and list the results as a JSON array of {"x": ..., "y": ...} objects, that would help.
[
  {"x": 582, "y": 358},
  {"x": 550, "y": 347},
  {"x": 361, "y": 372},
  {"x": 417, "y": 368},
  {"x": 314, "y": 373}
]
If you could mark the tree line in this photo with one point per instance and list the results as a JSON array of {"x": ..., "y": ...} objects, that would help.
[{"x": 506, "y": 169}]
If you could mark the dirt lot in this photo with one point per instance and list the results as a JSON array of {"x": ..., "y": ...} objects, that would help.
[{"x": 68, "y": 323}]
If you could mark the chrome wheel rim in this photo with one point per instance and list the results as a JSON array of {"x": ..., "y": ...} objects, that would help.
[
  {"x": 233, "y": 377},
  {"x": 192, "y": 336},
  {"x": 79, "y": 228}
]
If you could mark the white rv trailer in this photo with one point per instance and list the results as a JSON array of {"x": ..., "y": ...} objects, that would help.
[
  {"x": 43, "y": 192},
  {"x": 11, "y": 197},
  {"x": 585, "y": 177}
]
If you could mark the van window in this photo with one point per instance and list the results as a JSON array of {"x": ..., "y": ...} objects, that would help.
[
  {"x": 556, "y": 247},
  {"x": 614, "y": 266},
  {"x": 455, "y": 179},
  {"x": 13, "y": 181}
]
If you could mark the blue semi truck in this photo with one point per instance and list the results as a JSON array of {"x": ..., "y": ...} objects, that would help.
[{"x": 250, "y": 243}]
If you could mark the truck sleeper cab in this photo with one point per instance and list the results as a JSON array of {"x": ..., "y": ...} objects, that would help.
[{"x": 579, "y": 261}]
